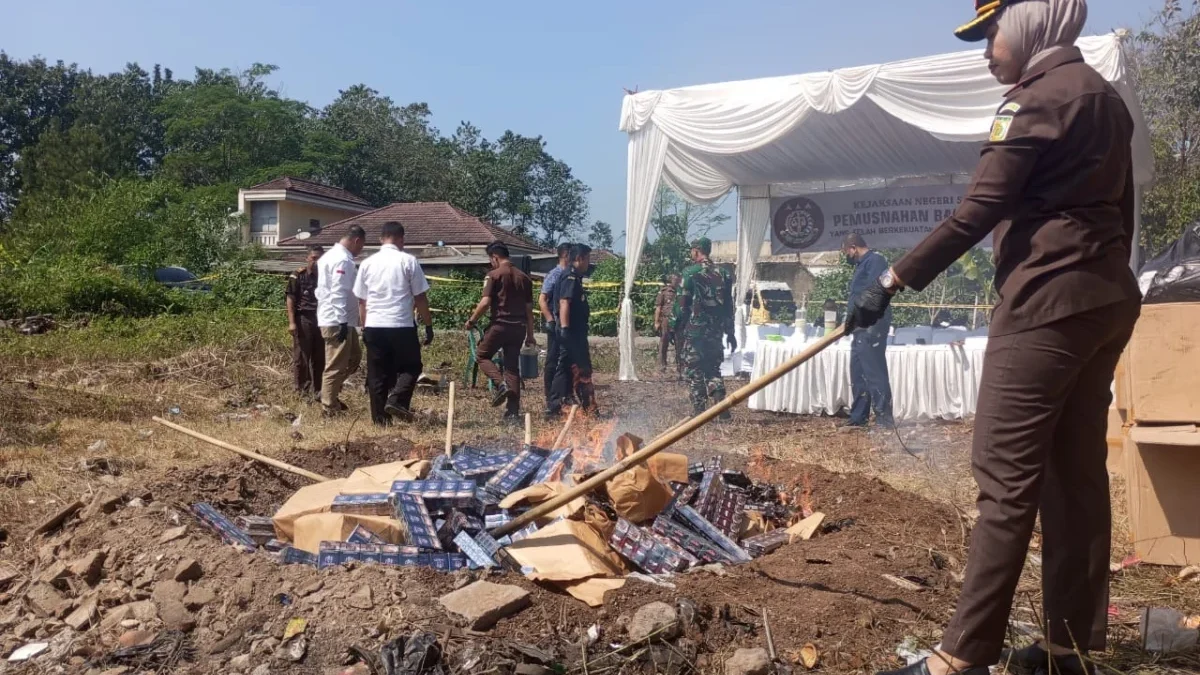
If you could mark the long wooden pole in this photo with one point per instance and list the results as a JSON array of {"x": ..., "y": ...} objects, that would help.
[
  {"x": 242, "y": 451},
  {"x": 671, "y": 437},
  {"x": 528, "y": 429},
  {"x": 566, "y": 427},
  {"x": 450, "y": 423}
]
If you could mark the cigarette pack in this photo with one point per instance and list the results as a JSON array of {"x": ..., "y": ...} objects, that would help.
[
  {"x": 445, "y": 474},
  {"x": 700, "y": 547},
  {"x": 473, "y": 550},
  {"x": 762, "y": 544},
  {"x": 439, "y": 462},
  {"x": 729, "y": 512},
  {"x": 735, "y": 478},
  {"x": 471, "y": 465},
  {"x": 374, "y": 504},
  {"x": 554, "y": 466},
  {"x": 516, "y": 473},
  {"x": 361, "y": 535},
  {"x": 695, "y": 471},
  {"x": 275, "y": 546},
  {"x": 224, "y": 527},
  {"x": 684, "y": 493},
  {"x": 688, "y": 558},
  {"x": 643, "y": 550},
  {"x": 523, "y": 532},
  {"x": 699, "y": 523},
  {"x": 415, "y": 521},
  {"x": 458, "y": 561},
  {"x": 330, "y": 555},
  {"x": 486, "y": 499},
  {"x": 259, "y": 528},
  {"x": 290, "y": 555},
  {"x": 712, "y": 488},
  {"x": 439, "y": 494}
]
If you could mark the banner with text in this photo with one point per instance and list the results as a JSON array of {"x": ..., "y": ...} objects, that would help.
[{"x": 886, "y": 218}]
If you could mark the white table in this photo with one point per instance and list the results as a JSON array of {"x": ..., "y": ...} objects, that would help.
[{"x": 928, "y": 381}]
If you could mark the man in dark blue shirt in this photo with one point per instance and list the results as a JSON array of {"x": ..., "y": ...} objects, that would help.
[
  {"x": 548, "y": 303},
  {"x": 574, "y": 375},
  {"x": 869, "y": 381}
]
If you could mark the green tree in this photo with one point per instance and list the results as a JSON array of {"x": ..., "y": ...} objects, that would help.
[
  {"x": 676, "y": 223},
  {"x": 232, "y": 128},
  {"x": 1168, "y": 76},
  {"x": 601, "y": 235},
  {"x": 34, "y": 96}
]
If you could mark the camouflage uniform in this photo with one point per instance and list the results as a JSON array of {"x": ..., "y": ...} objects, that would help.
[{"x": 706, "y": 305}]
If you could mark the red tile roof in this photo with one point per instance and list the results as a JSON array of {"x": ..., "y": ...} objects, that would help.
[
  {"x": 599, "y": 255},
  {"x": 425, "y": 224},
  {"x": 315, "y": 189}
]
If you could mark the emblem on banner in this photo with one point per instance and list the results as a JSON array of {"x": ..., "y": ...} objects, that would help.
[{"x": 799, "y": 223}]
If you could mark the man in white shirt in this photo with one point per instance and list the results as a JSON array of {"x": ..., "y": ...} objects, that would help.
[
  {"x": 337, "y": 316},
  {"x": 390, "y": 286}
]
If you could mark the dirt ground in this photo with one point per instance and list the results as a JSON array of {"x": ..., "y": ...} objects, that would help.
[{"x": 904, "y": 504}]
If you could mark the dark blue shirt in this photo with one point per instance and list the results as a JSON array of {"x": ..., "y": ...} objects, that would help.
[
  {"x": 550, "y": 289},
  {"x": 869, "y": 268}
]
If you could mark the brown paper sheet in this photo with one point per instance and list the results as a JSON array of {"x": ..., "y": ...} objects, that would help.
[
  {"x": 592, "y": 590},
  {"x": 315, "y": 528},
  {"x": 379, "y": 478},
  {"x": 666, "y": 466},
  {"x": 315, "y": 498},
  {"x": 536, "y": 494},
  {"x": 568, "y": 550}
]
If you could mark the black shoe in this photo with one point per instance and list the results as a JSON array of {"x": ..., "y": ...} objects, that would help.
[
  {"x": 919, "y": 668},
  {"x": 552, "y": 415},
  {"x": 500, "y": 396},
  {"x": 512, "y": 419},
  {"x": 1033, "y": 660},
  {"x": 399, "y": 414},
  {"x": 725, "y": 416}
]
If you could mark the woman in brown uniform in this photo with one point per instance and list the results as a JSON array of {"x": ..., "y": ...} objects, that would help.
[{"x": 1055, "y": 182}]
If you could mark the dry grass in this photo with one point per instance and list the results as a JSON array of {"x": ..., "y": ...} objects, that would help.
[{"x": 240, "y": 392}]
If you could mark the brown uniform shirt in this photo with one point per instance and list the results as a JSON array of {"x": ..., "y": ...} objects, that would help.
[
  {"x": 1058, "y": 169},
  {"x": 302, "y": 289},
  {"x": 665, "y": 302},
  {"x": 511, "y": 292}
]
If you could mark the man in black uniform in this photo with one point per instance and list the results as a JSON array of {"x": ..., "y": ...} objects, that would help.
[
  {"x": 548, "y": 303},
  {"x": 308, "y": 347},
  {"x": 575, "y": 359}
]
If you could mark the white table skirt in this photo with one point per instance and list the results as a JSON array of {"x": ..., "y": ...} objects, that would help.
[{"x": 934, "y": 381}]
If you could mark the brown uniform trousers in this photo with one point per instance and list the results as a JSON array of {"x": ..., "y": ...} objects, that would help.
[
  {"x": 308, "y": 354},
  {"x": 1058, "y": 167},
  {"x": 342, "y": 360},
  {"x": 506, "y": 338}
]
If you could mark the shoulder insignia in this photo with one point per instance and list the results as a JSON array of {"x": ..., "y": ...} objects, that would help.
[
  {"x": 1010, "y": 107},
  {"x": 1000, "y": 127}
]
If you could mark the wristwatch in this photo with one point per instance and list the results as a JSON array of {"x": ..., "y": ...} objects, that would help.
[{"x": 889, "y": 282}]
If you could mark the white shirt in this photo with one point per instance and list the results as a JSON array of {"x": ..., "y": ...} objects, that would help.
[
  {"x": 388, "y": 281},
  {"x": 335, "y": 288}
]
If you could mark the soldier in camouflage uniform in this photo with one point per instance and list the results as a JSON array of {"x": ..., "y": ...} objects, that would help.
[{"x": 706, "y": 312}]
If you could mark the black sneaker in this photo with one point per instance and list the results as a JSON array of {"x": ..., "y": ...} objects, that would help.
[
  {"x": 512, "y": 420},
  {"x": 500, "y": 396},
  {"x": 399, "y": 414}
]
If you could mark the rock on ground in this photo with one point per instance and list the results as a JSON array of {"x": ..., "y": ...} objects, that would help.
[
  {"x": 188, "y": 570},
  {"x": 657, "y": 620},
  {"x": 175, "y": 616},
  {"x": 749, "y": 662},
  {"x": 483, "y": 603}
]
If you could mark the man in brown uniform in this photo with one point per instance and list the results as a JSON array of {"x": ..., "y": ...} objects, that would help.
[
  {"x": 308, "y": 347},
  {"x": 1055, "y": 182},
  {"x": 664, "y": 311},
  {"x": 508, "y": 292}
]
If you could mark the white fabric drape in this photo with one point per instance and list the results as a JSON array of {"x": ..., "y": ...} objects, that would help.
[
  {"x": 647, "y": 152},
  {"x": 928, "y": 382},
  {"x": 911, "y": 117},
  {"x": 754, "y": 213}
]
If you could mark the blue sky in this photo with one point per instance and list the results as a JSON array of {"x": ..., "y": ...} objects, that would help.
[{"x": 551, "y": 68}]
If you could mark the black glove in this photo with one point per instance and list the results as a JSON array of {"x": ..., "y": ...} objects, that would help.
[
  {"x": 562, "y": 332},
  {"x": 731, "y": 340},
  {"x": 343, "y": 332},
  {"x": 869, "y": 308},
  {"x": 552, "y": 328},
  {"x": 428, "y": 336}
]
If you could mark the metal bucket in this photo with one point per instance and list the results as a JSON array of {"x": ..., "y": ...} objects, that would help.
[{"x": 529, "y": 363}]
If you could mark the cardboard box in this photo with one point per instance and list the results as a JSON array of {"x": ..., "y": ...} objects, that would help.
[
  {"x": 1117, "y": 434},
  {"x": 1162, "y": 470},
  {"x": 1163, "y": 359}
]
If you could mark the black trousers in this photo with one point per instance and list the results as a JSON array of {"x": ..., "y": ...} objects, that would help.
[
  {"x": 574, "y": 374},
  {"x": 1039, "y": 447},
  {"x": 308, "y": 354},
  {"x": 869, "y": 381},
  {"x": 393, "y": 366},
  {"x": 551, "y": 367}
]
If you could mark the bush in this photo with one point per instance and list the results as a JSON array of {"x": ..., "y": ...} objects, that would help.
[
  {"x": 74, "y": 286},
  {"x": 238, "y": 285}
]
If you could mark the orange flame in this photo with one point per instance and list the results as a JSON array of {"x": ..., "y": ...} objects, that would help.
[{"x": 806, "y": 498}]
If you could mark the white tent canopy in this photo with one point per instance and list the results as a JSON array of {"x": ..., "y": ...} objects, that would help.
[{"x": 861, "y": 127}]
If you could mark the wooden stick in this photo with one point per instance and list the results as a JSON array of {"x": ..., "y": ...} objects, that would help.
[
  {"x": 243, "y": 452},
  {"x": 528, "y": 429},
  {"x": 668, "y": 439},
  {"x": 770, "y": 639},
  {"x": 566, "y": 427},
  {"x": 450, "y": 423}
]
